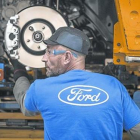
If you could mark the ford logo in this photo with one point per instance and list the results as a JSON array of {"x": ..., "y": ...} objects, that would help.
[{"x": 81, "y": 95}]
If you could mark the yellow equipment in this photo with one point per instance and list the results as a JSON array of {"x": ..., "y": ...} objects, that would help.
[{"x": 126, "y": 48}]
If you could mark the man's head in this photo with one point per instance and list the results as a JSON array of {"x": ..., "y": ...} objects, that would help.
[{"x": 66, "y": 50}]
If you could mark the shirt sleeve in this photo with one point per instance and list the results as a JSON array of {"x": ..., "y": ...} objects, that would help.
[
  {"x": 30, "y": 99},
  {"x": 131, "y": 112}
]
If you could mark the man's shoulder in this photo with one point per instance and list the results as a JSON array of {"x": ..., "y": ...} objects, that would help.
[
  {"x": 47, "y": 80},
  {"x": 101, "y": 75}
]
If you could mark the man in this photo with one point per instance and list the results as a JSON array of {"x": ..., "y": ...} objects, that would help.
[{"x": 76, "y": 104}]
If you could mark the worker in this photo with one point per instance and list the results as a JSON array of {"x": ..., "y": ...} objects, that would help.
[{"x": 74, "y": 103}]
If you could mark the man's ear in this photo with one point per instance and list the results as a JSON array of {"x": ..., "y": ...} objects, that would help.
[{"x": 67, "y": 57}]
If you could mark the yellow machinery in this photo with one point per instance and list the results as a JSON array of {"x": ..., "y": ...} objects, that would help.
[{"x": 126, "y": 48}]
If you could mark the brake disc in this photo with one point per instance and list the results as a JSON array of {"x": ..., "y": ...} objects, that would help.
[{"x": 26, "y": 31}]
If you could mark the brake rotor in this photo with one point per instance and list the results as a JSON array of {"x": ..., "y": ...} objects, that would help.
[{"x": 36, "y": 24}]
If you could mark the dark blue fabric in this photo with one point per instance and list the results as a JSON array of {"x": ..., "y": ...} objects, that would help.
[{"x": 81, "y": 105}]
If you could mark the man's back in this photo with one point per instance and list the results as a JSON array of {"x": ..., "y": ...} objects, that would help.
[{"x": 81, "y": 105}]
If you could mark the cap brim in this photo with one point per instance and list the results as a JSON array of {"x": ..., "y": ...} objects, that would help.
[{"x": 50, "y": 42}]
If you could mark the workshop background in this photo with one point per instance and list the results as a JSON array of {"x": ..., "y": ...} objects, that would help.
[{"x": 111, "y": 25}]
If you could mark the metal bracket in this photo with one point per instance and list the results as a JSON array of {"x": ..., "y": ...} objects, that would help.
[{"x": 132, "y": 59}]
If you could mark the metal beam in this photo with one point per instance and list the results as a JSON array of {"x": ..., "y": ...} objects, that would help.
[
  {"x": 9, "y": 134},
  {"x": 18, "y": 116}
]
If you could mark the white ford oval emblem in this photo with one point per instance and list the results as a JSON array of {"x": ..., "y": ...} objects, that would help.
[{"x": 81, "y": 95}]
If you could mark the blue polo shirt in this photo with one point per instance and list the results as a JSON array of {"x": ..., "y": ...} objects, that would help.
[{"x": 81, "y": 105}]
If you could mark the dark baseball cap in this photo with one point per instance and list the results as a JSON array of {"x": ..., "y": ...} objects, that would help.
[{"x": 71, "y": 38}]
